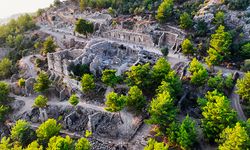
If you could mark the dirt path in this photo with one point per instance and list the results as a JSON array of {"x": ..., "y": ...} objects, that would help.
[
  {"x": 235, "y": 101},
  {"x": 25, "y": 62}
]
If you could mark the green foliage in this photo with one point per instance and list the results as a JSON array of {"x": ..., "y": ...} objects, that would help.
[
  {"x": 48, "y": 46},
  {"x": 175, "y": 83},
  {"x": 245, "y": 50},
  {"x": 60, "y": 143},
  {"x": 139, "y": 75},
  {"x": 84, "y": 27},
  {"x": 216, "y": 82},
  {"x": 47, "y": 130},
  {"x": 237, "y": 4},
  {"x": 217, "y": 114},
  {"x": 219, "y": 46},
  {"x": 165, "y": 10},
  {"x": 186, "y": 21},
  {"x": 219, "y": 18},
  {"x": 115, "y": 102},
  {"x": 162, "y": 110},
  {"x": 246, "y": 66},
  {"x": 187, "y": 47},
  {"x": 243, "y": 87},
  {"x": 87, "y": 83},
  {"x": 229, "y": 81},
  {"x": 21, "y": 82},
  {"x": 88, "y": 133},
  {"x": 82, "y": 144},
  {"x": 4, "y": 110},
  {"x": 74, "y": 100},
  {"x": 199, "y": 74},
  {"x": 4, "y": 92},
  {"x": 42, "y": 82},
  {"x": 201, "y": 28},
  {"x": 40, "y": 101},
  {"x": 214, "y": 58},
  {"x": 160, "y": 70},
  {"x": 165, "y": 51},
  {"x": 5, "y": 144},
  {"x": 154, "y": 145},
  {"x": 5, "y": 68},
  {"x": 135, "y": 98},
  {"x": 109, "y": 77},
  {"x": 22, "y": 133},
  {"x": 79, "y": 70},
  {"x": 172, "y": 131},
  {"x": 57, "y": 3},
  {"x": 187, "y": 133},
  {"x": 34, "y": 146},
  {"x": 234, "y": 138}
]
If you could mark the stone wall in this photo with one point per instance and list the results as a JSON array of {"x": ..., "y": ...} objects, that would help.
[{"x": 129, "y": 37}]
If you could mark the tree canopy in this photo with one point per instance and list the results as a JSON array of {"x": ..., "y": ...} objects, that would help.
[
  {"x": 243, "y": 87},
  {"x": 165, "y": 10},
  {"x": 135, "y": 98},
  {"x": 74, "y": 100},
  {"x": 88, "y": 83},
  {"x": 42, "y": 82},
  {"x": 84, "y": 27},
  {"x": 115, "y": 102},
  {"x": 40, "y": 101}
]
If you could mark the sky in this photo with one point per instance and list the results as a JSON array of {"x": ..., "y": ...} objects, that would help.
[{"x": 10, "y": 7}]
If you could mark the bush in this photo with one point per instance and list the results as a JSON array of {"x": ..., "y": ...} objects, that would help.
[
  {"x": 165, "y": 10},
  {"x": 21, "y": 82},
  {"x": 237, "y": 4},
  {"x": 87, "y": 82},
  {"x": 5, "y": 68},
  {"x": 4, "y": 92},
  {"x": 40, "y": 101},
  {"x": 186, "y": 21},
  {"x": 165, "y": 51}
]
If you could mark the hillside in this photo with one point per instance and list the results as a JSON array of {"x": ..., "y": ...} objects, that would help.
[{"x": 127, "y": 75}]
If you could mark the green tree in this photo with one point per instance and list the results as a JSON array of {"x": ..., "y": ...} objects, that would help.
[
  {"x": 4, "y": 92},
  {"x": 216, "y": 82},
  {"x": 162, "y": 110},
  {"x": 172, "y": 131},
  {"x": 21, "y": 82},
  {"x": 84, "y": 27},
  {"x": 243, "y": 87},
  {"x": 40, "y": 101},
  {"x": 74, "y": 100},
  {"x": 186, "y": 21},
  {"x": 5, "y": 144},
  {"x": 34, "y": 146},
  {"x": 87, "y": 83},
  {"x": 187, "y": 47},
  {"x": 139, "y": 75},
  {"x": 82, "y": 144},
  {"x": 48, "y": 46},
  {"x": 199, "y": 73},
  {"x": 165, "y": 51},
  {"x": 187, "y": 133},
  {"x": 115, "y": 103},
  {"x": 219, "y": 18},
  {"x": 4, "y": 110},
  {"x": 47, "y": 130},
  {"x": 154, "y": 145},
  {"x": 175, "y": 83},
  {"x": 60, "y": 143},
  {"x": 213, "y": 58},
  {"x": 234, "y": 138},
  {"x": 245, "y": 50},
  {"x": 160, "y": 70},
  {"x": 42, "y": 82},
  {"x": 229, "y": 82},
  {"x": 219, "y": 45},
  {"x": 135, "y": 98},
  {"x": 165, "y": 10},
  {"x": 5, "y": 68},
  {"x": 23, "y": 133},
  {"x": 109, "y": 77},
  {"x": 217, "y": 115}
]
